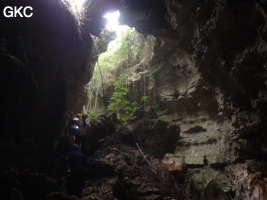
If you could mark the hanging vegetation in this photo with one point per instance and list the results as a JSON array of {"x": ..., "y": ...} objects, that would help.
[
  {"x": 122, "y": 76},
  {"x": 119, "y": 103}
]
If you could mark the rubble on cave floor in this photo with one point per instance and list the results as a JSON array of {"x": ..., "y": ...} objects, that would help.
[
  {"x": 123, "y": 172},
  {"x": 127, "y": 164}
]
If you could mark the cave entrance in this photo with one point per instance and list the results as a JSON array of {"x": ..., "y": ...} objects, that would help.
[
  {"x": 108, "y": 66},
  {"x": 122, "y": 73},
  {"x": 122, "y": 78},
  {"x": 112, "y": 20},
  {"x": 113, "y": 25}
]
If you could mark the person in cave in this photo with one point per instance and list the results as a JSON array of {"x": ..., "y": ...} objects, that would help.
[
  {"x": 81, "y": 136},
  {"x": 74, "y": 125},
  {"x": 64, "y": 146},
  {"x": 77, "y": 163},
  {"x": 84, "y": 126}
]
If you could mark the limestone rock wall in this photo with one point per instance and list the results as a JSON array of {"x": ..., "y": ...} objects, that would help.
[
  {"x": 209, "y": 70},
  {"x": 59, "y": 54},
  {"x": 210, "y": 76},
  {"x": 220, "y": 76}
]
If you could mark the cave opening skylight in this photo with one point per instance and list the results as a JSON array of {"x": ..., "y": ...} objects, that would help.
[
  {"x": 113, "y": 22},
  {"x": 112, "y": 19}
]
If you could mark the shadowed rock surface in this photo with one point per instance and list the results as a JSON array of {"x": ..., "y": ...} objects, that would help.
[{"x": 208, "y": 63}]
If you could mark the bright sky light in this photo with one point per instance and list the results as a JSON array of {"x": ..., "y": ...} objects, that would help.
[
  {"x": 78, "y": 3},
  {"x": 113, "y": 22},
  {"x": 112, "y": 19}
]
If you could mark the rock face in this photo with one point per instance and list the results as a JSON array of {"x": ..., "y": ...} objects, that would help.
[
  {"x": 209, "y": 72},
  {"x": 209, "y": 82},
  {"x": 59, "y": 53},
  {"x": 126, "y": 161},
  {"x": 213, "y": 84},
  {"x": 16, "y": 80},
  {"x": 210, "y": 75},
  {"x": 50, "y": 45}
]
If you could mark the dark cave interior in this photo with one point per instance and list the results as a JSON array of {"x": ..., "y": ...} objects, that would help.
[{"x": 209, "y": 67}]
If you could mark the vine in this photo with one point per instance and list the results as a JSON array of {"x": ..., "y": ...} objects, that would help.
[{"x": 127, "y": 60}]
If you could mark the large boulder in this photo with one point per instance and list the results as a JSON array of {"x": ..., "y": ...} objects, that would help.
[{"x": 154, "y": 134}]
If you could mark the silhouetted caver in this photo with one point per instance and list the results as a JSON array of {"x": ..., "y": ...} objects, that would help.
[
  {"x": 81, "y": 137},
  {"x": 77, "y": 163}
]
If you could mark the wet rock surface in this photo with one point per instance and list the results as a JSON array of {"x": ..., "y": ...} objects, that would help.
[{"x": 209, "y": 76}]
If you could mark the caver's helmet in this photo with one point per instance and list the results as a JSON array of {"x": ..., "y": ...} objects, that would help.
[{"x": 74, "y": 130}]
